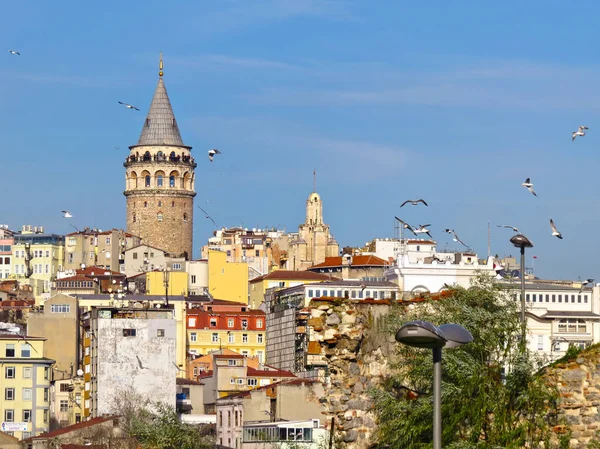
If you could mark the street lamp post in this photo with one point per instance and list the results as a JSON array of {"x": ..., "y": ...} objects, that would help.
[
  {"x": 522, "y": 242},
  {"x": 422, "y": 334}
]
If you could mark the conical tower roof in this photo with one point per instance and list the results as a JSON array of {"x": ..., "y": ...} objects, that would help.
[{"x": 160, "y": 127}]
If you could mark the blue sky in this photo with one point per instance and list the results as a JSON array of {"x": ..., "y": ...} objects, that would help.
[{"x": 455, "y": 103}]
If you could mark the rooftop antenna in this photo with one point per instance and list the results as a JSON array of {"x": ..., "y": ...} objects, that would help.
[
  {"x": 489, "y": 241},
  {"x": 160, "y": 66}
]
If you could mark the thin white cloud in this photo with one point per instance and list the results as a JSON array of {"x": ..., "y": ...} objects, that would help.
[{"x": 225, "y": 61}]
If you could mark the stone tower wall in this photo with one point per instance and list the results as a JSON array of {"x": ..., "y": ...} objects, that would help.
[{"x": 162, "y": 215}]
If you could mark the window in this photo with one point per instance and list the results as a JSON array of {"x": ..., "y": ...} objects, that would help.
[
  {"x": 185, "y": 219},
  {"x": 540, "y": 344},
  {"x": 160, "y": 332},
  {"x": 26, "y": 415},
  {"x": 310, "y": 293},
  {"x": 259, "y": 338},
  {"x": 64, "y": 405},
  {"x": 65, "y": 387},
  {"x": 252, "y": 382},
  {"x": 26, "y": 373},
  {"x": 527, "y": 297},
  {"x": 193, "y": 336},
  {"x": 171, "y": 181},
  {"x": 374, "y": 294},
  {"x": 585, "y": 298},
  {"x": 46, "y": 373},
  {"x": 145, "y": 203},
  {"x": 353, "y": 294},
  {"x": 10, "y": 350},
  {"x": 213, "y": 322},
  {"x": 230, "y": 322},
  {"x": 147, "y": 181},
  {"x": 579, "y": 298},
  {"x": 159, "y": 181},
  {"x": 25, "y": 350},
  {"x": 244, "y": 324},
  {"x": 27, "y": 394},
  {"x": 46, "y": 394},
  {"x": 60, "y": 308},
  {"x": 572, "y": 325},
  {"x": 240, "y": 381},
  {"x": 193, "y": 278},
  {"x": 559, "y": 298},
  {"x": 129, "y": 332},
  {"x": 177, "y": 266},
  {"x": 318, "y": 293},
  {"x": 134, "y": 220},
  {"x": 230, "y": 337},
  {"x": 9, "y": 415},
  {"x": 159, "y": 217},
  {"x": 553, "y": 298},
  {"x": 160, "y": 204},
  {"x": 259, "y": 323},
  {"x": 192, "y": 321},
  {"x": 46, "y": 415},
  {"x": 534, "y": 296},
  {"x": 9, "y": 394},
  {"x": 244, "y": 338},
  {"x": 9, "y": 372},
  {"x": 215, "y": 338}
]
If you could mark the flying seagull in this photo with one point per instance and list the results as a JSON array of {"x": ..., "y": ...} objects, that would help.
[
  {"x": 67, "y": 214},
  {"x": 510, "y": 227},
  {"x": 414, "y": 202},
  {"x": 13, "y": 52},
  {"x": 178, "y": 368},
  {"x": 584, "y": 283},
  {"x": 208, "y": 216},
  {"x": 555, "y": 232},
  {"x": 128, "y": 106},
  {"x": 211, "y": 153},
  {"x": 405, "y": 225},
  {"x": 422, "y": 229},
  {"x": 140, "y": 363},
  {"x": 455, "y": 237},
  {"x": 580, "y": 132},
  {"x": 22, "y": 337},
  {"x": 529, "y": 185}
]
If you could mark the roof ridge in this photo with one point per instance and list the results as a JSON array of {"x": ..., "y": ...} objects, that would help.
[{"x": 160, "y": 127}]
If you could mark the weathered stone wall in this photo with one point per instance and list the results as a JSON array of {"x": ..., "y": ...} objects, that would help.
[
  {"x": 578, "y": 382},
  {"x": 358, "y": 354}
]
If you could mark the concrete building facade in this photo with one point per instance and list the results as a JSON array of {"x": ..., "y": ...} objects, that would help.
[
  {"x": 160, "y": 181},
  {"x": 130, "y": 350}
]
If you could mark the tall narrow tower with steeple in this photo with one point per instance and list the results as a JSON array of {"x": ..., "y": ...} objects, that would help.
[{"x": 159, "y": 173}]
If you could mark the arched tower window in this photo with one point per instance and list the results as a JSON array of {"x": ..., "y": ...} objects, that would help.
[
  {"x": 172, "y": 203},
  {"x": 160, "y": 156},
  {"x": 160, "y": 178},
  {"x": 171, "y": 181},
  {"x": 134, "y": 217},
  {"x": 160, "y": 204},
  {"x": 145, "y": 203},
  {"x": 147, "y": 156},
  {"x": 159, "y": 217},
  {"x": 185, "y": 218},
  {"x": 133, "y": 180},
  {"x": 147, "y": 181},
  {"x": 172, "y": 156}
]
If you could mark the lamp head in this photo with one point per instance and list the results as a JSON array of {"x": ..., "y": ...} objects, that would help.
[
  {"x": 456, "y": 335},
  {"x": 520, "y": 241},
  {"x": 421, "y": 334}
]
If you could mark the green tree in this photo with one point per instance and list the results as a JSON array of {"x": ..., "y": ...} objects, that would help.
[
  {"x": 482, "y": 405},
  {"x": 161, "y": 428}
]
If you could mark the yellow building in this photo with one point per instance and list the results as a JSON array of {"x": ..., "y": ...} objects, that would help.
[
  {"x": 241, "y": 331},
  {"x": 227, "y": 280},
  {"x": 37, "y": 257},
  {"x": 281, "y": 279},
  {"x": 174, "y": 283},
  {"x": 25, "y": 385}
]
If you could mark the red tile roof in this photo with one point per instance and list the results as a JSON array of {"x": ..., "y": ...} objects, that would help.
[
  {"x": 228, "y": 356},
  {"x": 97, "y": 271},
  {"x": 281, "y": 275},
  {"x": 73, "y": 428},
  {"x": 336, "y": 261},
  {"x": 252, "y": 372}
]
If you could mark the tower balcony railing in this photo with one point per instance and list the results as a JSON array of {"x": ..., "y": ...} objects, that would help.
[{"x": 187, "y": 160}]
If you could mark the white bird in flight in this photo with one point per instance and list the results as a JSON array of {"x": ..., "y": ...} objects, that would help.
[
  {"x": 13, "y": 52},
  {"x": 510, "y": 227},
  {"x": 422, "y": 229},
  {"x": 414, "y": 202},
  {"x": 211, "y": 153},
  {"x": 67, "y": 214},
  {"x": 584, "y": 283},
  {"x": 128, "y": 106},
  {"x": 555, "y": 231},
  {"x": 405, "y": 225},
  {"x": 455, "y": 237},
  {"x": 580, "y": 132},
  {"x": 208, "y": 216},
  {"x": 529, "y": 186}
]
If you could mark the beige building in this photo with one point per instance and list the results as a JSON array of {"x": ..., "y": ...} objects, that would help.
[
  {"x": 261, "y": 249},
  {"x": 57, "y": 321},
  {"x": 8, "y": 441},
  {"x": 94, "y": 247},
  {"x": 66, "y": 406},
  {"x": 160, "y": 181},
  {"x": 314, "y": 242},
  {"x": 144, "y": 258}
]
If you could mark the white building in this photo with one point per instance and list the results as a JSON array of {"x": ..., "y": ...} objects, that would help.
[
  {"x": 560, "y": 315},
  {"x": 133, "y": 350},
  {"x": 144, "y": 258},
  {"x": 197, "y": 276},
  {"x": 434, "y": 275}
]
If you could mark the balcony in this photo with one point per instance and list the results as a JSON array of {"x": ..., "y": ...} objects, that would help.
[{"x": 183, "y": 160}]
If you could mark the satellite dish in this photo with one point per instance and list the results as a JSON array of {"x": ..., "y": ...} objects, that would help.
[{"x": 80, "y": 372}]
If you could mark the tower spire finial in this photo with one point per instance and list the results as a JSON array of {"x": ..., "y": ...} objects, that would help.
[
  {"x": 160, "y": 66},
  {"x": 315, "y": 180}
]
